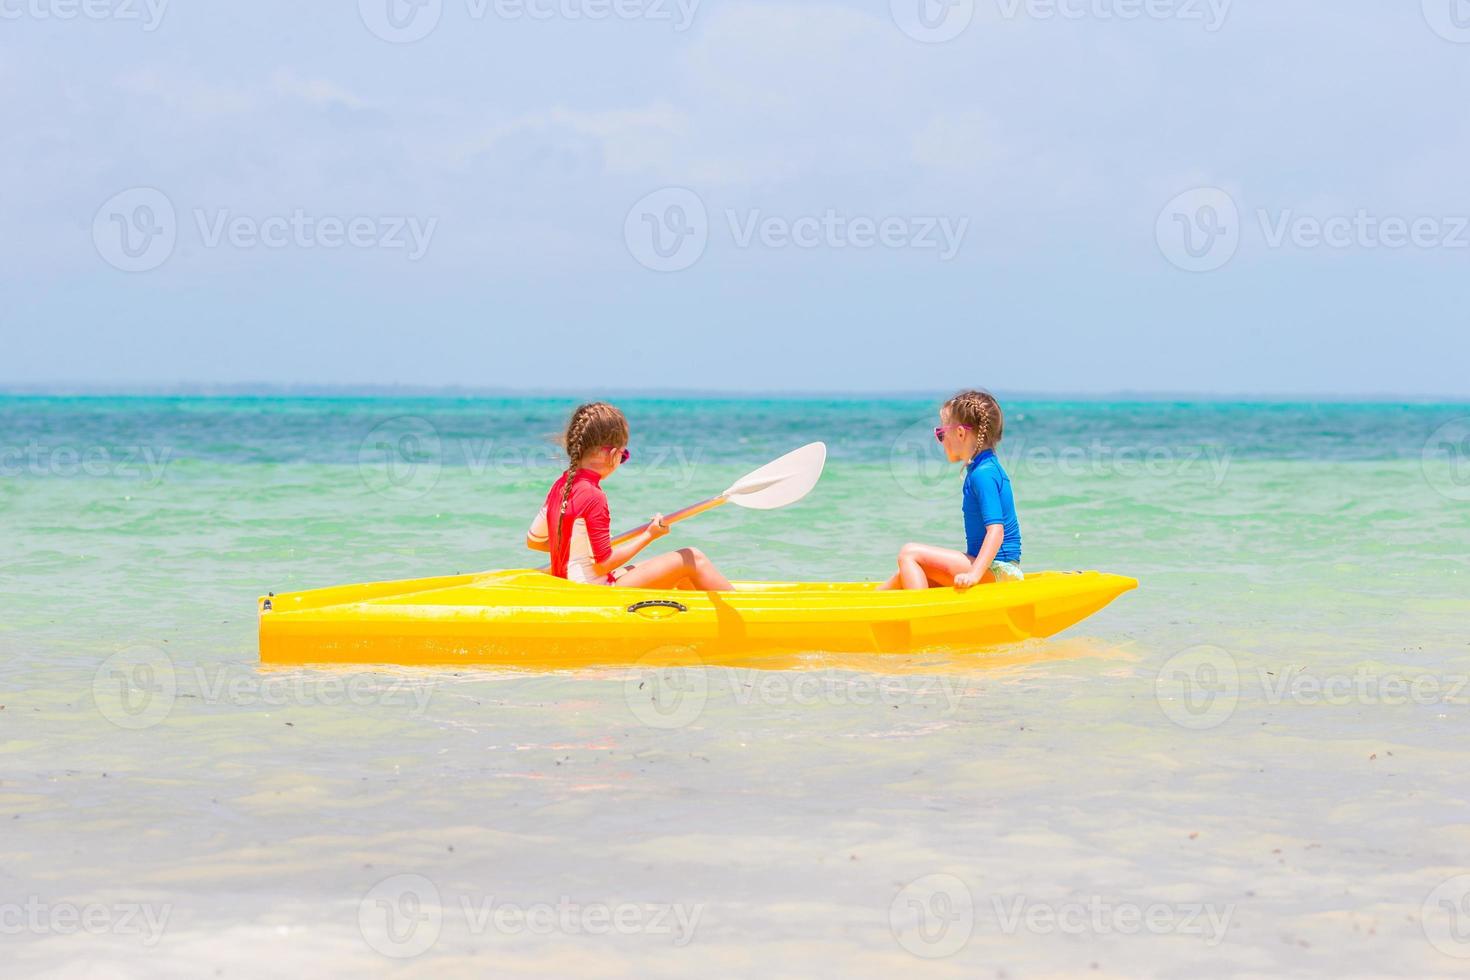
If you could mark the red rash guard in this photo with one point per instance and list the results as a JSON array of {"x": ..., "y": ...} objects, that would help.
[{"x": 588, "y": 502}]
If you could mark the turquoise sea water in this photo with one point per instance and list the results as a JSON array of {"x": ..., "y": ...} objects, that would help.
[{"x": 1254, "y": 763}]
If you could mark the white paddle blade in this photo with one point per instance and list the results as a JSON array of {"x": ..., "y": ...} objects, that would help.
[{"x": 782, "y": 481}]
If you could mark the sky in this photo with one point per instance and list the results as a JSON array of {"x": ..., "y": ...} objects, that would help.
[{"x": 1081, "y": 196}]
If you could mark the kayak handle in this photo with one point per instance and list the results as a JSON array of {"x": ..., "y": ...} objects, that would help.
[{"x": 658, "y": 604}]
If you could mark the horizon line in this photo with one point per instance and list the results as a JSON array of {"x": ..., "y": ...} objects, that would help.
[{"x": 58, "y": 389}]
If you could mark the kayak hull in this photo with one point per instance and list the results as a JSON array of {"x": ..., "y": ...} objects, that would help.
[{"x": 528, "y": 619}]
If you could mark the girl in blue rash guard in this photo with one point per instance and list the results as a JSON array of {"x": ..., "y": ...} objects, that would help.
[{"x": 971, "y": 424}]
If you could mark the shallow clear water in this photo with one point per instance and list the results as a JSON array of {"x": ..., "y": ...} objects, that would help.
[{"x": 1252, "y": 764}]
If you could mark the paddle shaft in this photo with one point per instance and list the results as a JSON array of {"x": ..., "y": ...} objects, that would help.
[{"x": 673, "y": 518}]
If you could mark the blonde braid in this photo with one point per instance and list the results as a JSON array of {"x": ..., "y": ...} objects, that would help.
[{"x": 576, "y": 430}]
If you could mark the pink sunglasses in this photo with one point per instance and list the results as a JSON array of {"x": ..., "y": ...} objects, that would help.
[
  {"x": 626, "y": 455},
  {"x": 940, "y": 430}
]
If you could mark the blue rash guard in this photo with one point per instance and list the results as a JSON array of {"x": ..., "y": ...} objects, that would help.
[{"x": 987, "y": 500}]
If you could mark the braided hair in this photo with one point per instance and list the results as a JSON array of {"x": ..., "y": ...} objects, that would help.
[
  {"x": 592, "y": 424},
  {"x": 980, "y": 411}
]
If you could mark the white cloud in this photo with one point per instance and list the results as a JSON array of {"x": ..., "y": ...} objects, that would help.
[
  {"x": 626, "y": 142},
  {"x": 192, "y": 96},
  {"x": 313, "y": 91},
  {"x": 203, "y": 99}
]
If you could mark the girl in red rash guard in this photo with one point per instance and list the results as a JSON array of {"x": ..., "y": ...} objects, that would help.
[{"x": 579, "y": 539}]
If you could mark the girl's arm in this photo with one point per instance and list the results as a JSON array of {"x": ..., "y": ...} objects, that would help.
[
  {"x": 995, "y": 535},
  {"x": 625, "y": 552},
  {"x": 537, "y": 535}
]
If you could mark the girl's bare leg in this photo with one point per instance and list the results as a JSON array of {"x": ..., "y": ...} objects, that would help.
[
  {"x": 921, "y": 566},
  {"x": 675, "y": 569}
]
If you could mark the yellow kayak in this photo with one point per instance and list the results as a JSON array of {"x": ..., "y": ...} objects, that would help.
[{"x": 530, "y": 619}]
